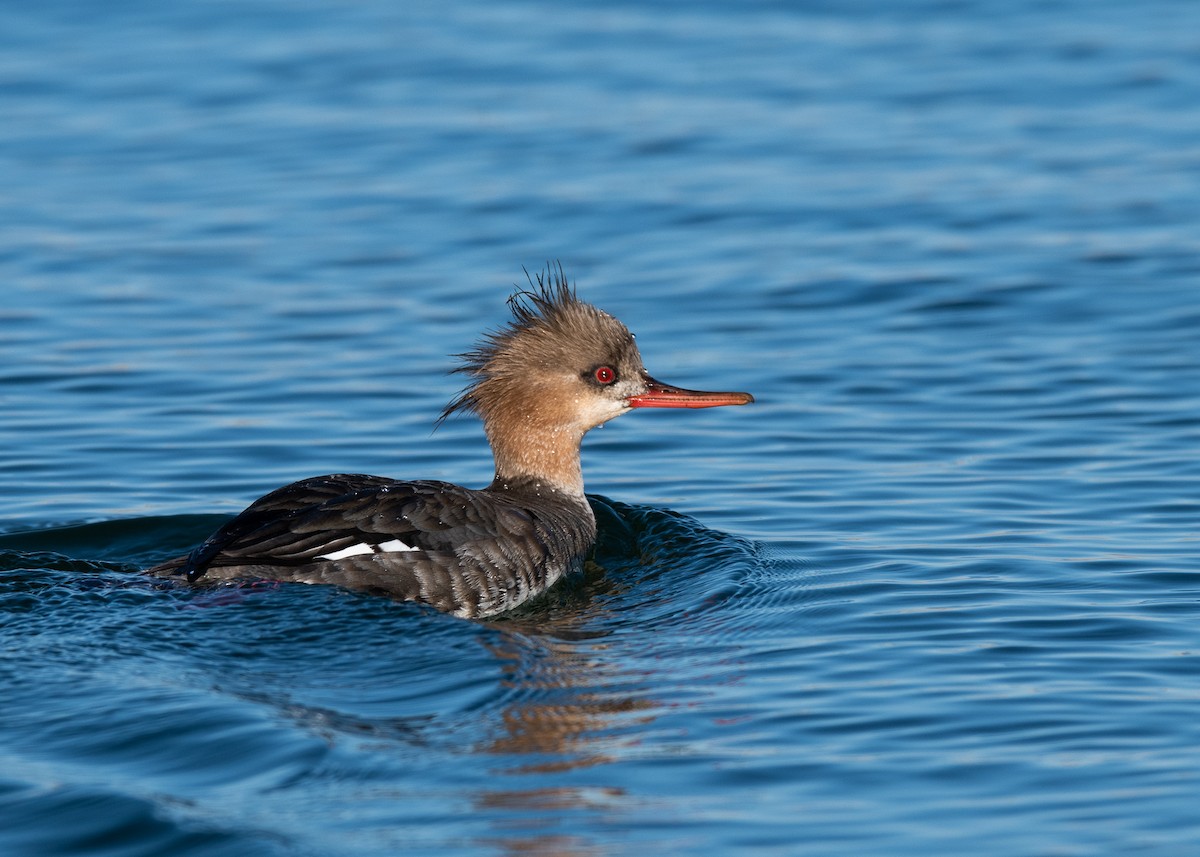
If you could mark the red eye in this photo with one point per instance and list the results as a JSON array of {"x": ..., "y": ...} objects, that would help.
[{"x": 605, "y": 375}]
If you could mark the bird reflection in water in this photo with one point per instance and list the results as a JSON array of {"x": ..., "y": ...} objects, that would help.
[{"x": 565, "y": 707}]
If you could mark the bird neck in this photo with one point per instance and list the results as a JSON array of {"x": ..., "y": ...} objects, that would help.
[{"x": 528, "y": 451}]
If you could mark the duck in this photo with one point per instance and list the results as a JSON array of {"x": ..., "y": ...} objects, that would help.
[{"x": 559, "y": 368}]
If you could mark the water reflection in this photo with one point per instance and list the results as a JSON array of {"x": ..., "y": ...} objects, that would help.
[
  {"x": 563, "y": 707},
  {"x": 533, "y": 815},
  {"x": 568, "y": 706}
]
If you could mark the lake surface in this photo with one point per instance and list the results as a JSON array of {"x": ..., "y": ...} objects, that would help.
[{"x": 936, "y": 592}]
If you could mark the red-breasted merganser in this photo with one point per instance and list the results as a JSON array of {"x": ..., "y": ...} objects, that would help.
[{"x": 558, "y": 369}]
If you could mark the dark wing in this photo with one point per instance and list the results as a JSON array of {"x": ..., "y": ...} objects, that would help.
[
  {"x": 325, "y": 516},
  {"x": 470, "y": 553}
]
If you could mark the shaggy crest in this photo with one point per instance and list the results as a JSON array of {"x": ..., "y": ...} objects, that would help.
[{"x": 548, "y": 327}]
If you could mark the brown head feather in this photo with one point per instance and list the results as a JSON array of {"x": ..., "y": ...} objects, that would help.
[{"x": 551, "y": 329}]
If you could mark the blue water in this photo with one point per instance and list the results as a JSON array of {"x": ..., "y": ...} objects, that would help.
[{"x": 936, "y": 592}]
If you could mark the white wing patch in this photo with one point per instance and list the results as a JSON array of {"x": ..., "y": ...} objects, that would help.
[
  {"x": 393, "y": 546},
  {"x": 353, "y": 550}
]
